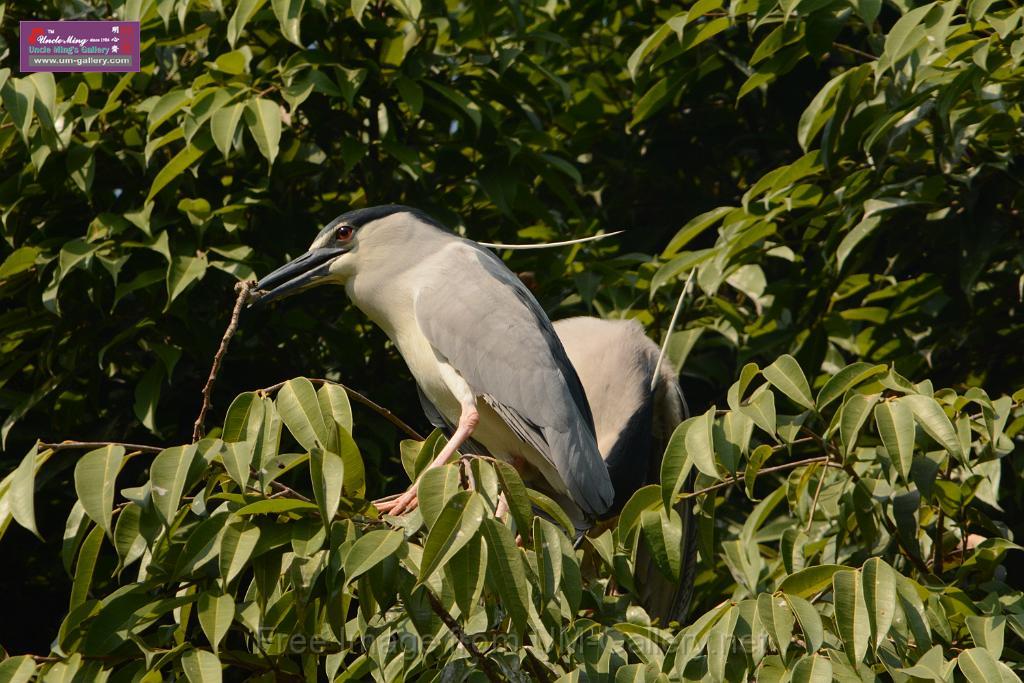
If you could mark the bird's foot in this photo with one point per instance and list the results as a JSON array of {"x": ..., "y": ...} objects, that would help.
[{"x": 404, "y": 503}]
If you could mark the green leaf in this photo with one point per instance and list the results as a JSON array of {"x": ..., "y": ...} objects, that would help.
[
  {"x": 181, "y": 161},
  {"x": 300, "y": 409},
  {"x": 237, "y": 459},
  {"x": 236, "y": 546},
  {"x": 263, "y": 118},
  {"x": 547, "y": 545},
  {"x": 17, "y": 669},
  {"x": 223, "y": 125},
  {"x": 22, "y": 491},
  {"x": 979, "y": 666},
  {"x": 215, "y": 612},
  {"x": 777, "y": 618},
  {"x": 754, "y": 464},
  {"x": 167, "y": 106},
  {"x": 786, "y": 376},
  {"x": 85, "y": 567},
  {"x": 172, "y": 470},
  {"x": 854, "y": 237},
  {"x": 201, "y": 666},
  {"x": 95, "y": 477},
  {"x": 846, "y": 379},
  {"x": 19, "y": 99},
  {"x": 243, "y": 13},
  {"x": 275, "y": 506},
  {"x": 988, "y": 632},
  {"x": 879, "y": 586},
  {"x": 895, "y": 423},
  {"x": 507, "y": 573},
  {"x": 18, "y": 261},
  {"x": 813, "y": 669},
  {"x": 663, "y": 531},
  {"x": 334, "y": 404},
  {"x": 128, "y": 540},
  {"x": 646, "y": 47},
  {"x": 370, "y": 550},
  {"x": 327, "y": 472},
  {"x": 929, "y": 414},
  {"x": 700, "y": 446},
  {"x": 289, "y": 15},
  {"x": 676, "y": 463},
  {"x": 515, "y": 495},
  {"x": 760, "y": 408},
  {"x": 855, "y": 412},
  {"x": 810, "y": 622},
  {"x": 435, "y": 488},
  {"x": 807, "y": 583},
  {"x": 851, "y": 614},
  {"x": 456, "y": 526}
]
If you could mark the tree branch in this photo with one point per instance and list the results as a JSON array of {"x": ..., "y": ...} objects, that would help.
[
  {"x": 359, "y": 398},
  {"x": 485, "y": 664},
  {"x": 68, "y": 445},
  {"x": 243, "y": 289}
]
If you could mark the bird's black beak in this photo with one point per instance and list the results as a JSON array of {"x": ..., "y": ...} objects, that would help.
[{"x": 304, "y": 272}]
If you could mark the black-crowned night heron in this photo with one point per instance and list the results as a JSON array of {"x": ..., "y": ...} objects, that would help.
[
  {"x": 636, "y": 406},
  {"x": 482, "y": 350}
]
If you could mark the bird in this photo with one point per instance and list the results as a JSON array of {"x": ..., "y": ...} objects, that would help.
[
  {"x": 637, "y": 404},
  {"x": 482, "y": 351}
]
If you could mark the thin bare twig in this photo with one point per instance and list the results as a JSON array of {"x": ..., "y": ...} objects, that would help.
[
  {"x": 817, "y": 492},
  {"x": 359, "y": 398},
  {"x": 243, "y": 289},
  {"x": 485, "y": 664},
  {"x": 68, "y": 445},
  {"x": 767, "y": 470}
]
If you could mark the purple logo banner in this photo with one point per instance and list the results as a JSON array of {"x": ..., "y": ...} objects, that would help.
[{"x": 79, "y": 46}]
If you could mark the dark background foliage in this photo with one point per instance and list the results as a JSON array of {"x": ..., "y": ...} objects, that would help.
[{"x": 512, "y": 122}]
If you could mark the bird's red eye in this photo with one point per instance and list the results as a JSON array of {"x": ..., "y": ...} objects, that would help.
[{"x": 344, "y": 232}]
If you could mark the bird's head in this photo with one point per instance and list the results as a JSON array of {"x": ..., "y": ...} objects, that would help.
[{"x": 335, "y": 254}]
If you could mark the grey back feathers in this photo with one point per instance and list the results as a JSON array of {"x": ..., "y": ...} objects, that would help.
[{"x": 509, "y": 354}]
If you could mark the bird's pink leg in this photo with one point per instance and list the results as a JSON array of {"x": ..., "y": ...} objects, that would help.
[{"x": 467, "y": 423}]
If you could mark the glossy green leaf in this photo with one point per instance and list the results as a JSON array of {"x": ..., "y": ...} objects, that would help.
[
  {"x": 95, "y": 479},
  {"x": 236, "y": 547},
  {"x": 370, "y": 550},
  {"x": 244, "y": 11},
  {"x": 933, "y": 420},
  {"x": 878, "y": 581},
  {"x": 813, "y": 669},
  {"x": 22, "y": 491},
  {"x": 456, "y": 526},
  {"x": 895, "y": 423},
  {"x": 223, "y": 125},
  {"x": 435, "y": 488},
  {"x": 979, "y": 666},
  {"x": 300, "y": 409},
  {"x": 201, "y": 666},
  {"x": 215, "y": 612},
  {"x": 263, "y": 119},
  {"x": 327, "y": 472},
  {"x": 17, "y": 669},
  {"x": 172, "y": 469},
  {"x": 786, "y": 376},
  {"x": 505, "y": 568},
  {"x": 777, "y": 619},
  {"x": 289, "y": 15},
  {"x": 851, "y": 613},
  {"x": 808, "y": 582}
]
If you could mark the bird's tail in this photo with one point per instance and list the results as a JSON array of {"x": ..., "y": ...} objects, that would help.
[{"x": 667, "y": 599}]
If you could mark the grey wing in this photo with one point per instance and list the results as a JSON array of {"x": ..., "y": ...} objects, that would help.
[{"x": 488, "y": 326}]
